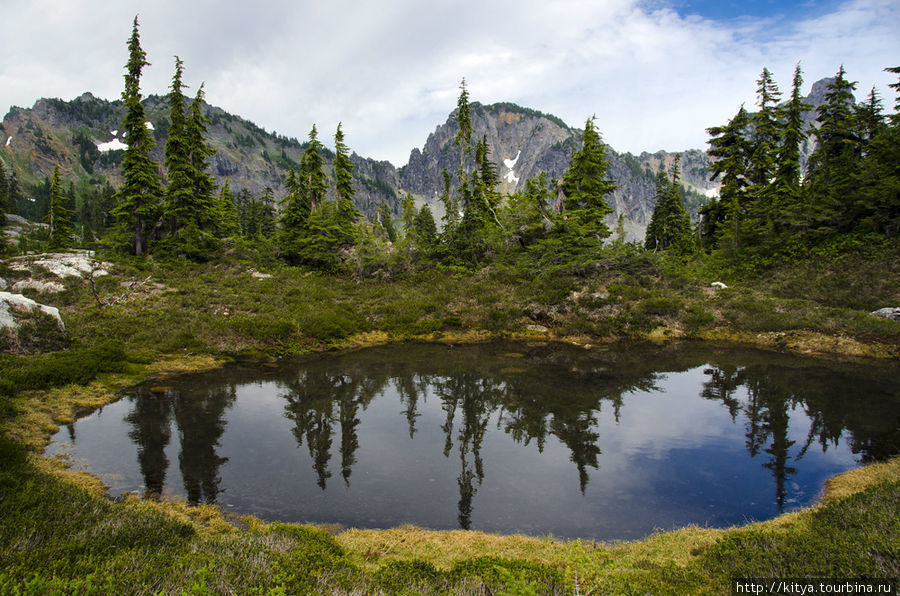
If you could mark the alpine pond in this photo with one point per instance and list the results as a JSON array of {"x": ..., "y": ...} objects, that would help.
[{"x": 614, "y": 442}]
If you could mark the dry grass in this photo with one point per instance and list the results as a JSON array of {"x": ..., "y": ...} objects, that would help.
[
  {"x": 373, "y": 548},
  {"x": 857, "y": 480},
  {"x": 806, "y": 342}
]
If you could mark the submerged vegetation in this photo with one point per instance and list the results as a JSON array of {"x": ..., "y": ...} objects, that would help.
[{"x": 217, "y": 276}]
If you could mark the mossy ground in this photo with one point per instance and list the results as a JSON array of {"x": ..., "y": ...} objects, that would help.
[{"x": 59, "y": 534}]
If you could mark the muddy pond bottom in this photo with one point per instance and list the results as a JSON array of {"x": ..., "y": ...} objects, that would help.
[{"x": 508, "y": 437}]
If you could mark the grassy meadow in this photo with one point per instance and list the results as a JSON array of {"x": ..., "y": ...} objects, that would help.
[{"x": 60, "y": 534}]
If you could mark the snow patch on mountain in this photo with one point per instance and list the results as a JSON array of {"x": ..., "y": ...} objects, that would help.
[
  {"x": 113, "y": 145},
  {"x": 511, "y": 163}
]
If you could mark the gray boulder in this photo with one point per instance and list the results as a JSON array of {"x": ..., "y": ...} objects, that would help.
[
  {"x": 26, "y": 326},
  {"x": 891, "y": 312}
]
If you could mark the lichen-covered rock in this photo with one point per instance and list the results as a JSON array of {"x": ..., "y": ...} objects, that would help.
[
  {"x": 27, "y": 326},
  {"x": 77, "y": 263},
  {"x": 3, "y": 284},
  {"x": 38, "y": 285},
  {"x": 891, "y": 312}
]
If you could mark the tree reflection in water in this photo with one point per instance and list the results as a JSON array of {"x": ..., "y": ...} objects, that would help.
[{"x": 553, "y": 391}]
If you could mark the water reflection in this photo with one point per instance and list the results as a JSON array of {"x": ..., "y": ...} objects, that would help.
[
  {"x": 200, "y": 422},
  {"x": 533, "y": 395}
]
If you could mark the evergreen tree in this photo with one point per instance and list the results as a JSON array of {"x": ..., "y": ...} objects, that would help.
[
  {"x": 203, "y": 209},
  {"x": 15, "y": 199},
  {"x": 833, "y": 164},
  {"x": 312, "y": 175},
  {"x": 383, "y": 213},
  {"x": 319, "y": 243},
  {"x": 654, "y": 228},
  {"x": 266, "y": 213},
  {"x": 138, "y": 197},
  {"x": 180, "y": 186},
  {"x": 585, "y": 187},
  {"x": 347, "y": 213},
  {"x": 229, "y": 221},
  {"x": 467, "y": 239},
  {"x": 464, "y": 120},
  {"x": 526, "y": 211},
  {"x": 729, "y": 144},
  {"x": 765, "y": 137},
  {"x": 486, "y": 182},
  {"x": 895, "y": 117},
  {"x": 670, "y": 226},
  {"x": 294, "y": 217},
  {"x": 870, "y": 117},
  {"x": 343, "y": 176},
  {"x": 788, "y": 172},
  {"x": 425, "y": 228},
  {"x": 408, "y": 216},
  {"x": 61, "y": 229},
  {"x": 451, "y": 208},
  {"x": 876, "y": 188}
]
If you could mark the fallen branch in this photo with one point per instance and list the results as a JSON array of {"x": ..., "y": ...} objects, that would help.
[{"x": 130, "y": 289}]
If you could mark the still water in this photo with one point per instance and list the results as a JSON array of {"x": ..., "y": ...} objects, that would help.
[{"x": 609, "y": 443}]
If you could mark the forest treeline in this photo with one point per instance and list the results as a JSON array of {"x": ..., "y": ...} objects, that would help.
[{"x": 771, "y": 208}]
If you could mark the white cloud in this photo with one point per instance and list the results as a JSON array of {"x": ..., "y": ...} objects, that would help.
[{"x": 390, "y": 70}]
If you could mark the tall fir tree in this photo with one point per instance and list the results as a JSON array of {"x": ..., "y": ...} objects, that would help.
[
  {"x": 833, "y": 164},
  {"x": 895, "y": 117},
  {"x": 138, "y": 197},
  {"x": 870, "y": 116},
  {"x": 788, "y": 215},
  {"x": 451, "y": 207},
  {"x": 425, "y": 228},
  {"x": 408, "y": 215},
  {"x": 179, "y": 193},
  {"x": 463, "y": 141},
  {"x": 15, "y": 198},
  {"x": 670, "y": 226},
  {"x": 312, "y": 175},
  {"x": 383, "y": 213},
  {"x": 229, "y": 221},
  {"x": 464, "y": 121},
  {"x": 730, "y": 145},
  {"x": 347, "y": 212},
  {"x": 585, "y": 187},
  {"x": 61, "y": 228},
  {"x": 765, "y": 137},
  {"x": 876, "y": 187},
  {"x": 788, "y": 172},
  {"x": 200, "y": 151},
  {"x": 295, "y": 214}
]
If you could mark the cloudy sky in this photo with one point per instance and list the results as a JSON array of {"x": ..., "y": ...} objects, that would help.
[{"x": 655, "y": 72}]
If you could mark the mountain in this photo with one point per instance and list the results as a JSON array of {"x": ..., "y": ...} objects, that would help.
[
  {"x": 524, "y": 142},
  {"x": 83, "y": 136}
]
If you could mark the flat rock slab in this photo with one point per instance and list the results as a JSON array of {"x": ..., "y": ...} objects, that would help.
[{"x": 79, "y": 263}]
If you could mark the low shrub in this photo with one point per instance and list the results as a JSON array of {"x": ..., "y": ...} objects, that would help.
[{"x": 42, "y": 371}]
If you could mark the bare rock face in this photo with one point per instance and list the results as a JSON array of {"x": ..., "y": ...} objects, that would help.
[{"x": 524, "y": 142}]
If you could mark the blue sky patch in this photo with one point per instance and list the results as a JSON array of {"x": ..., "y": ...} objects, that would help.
[{"x": 791, "y": 10}]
